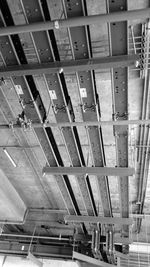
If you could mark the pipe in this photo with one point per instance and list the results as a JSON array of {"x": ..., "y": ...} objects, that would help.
[
  {"x": 111, "y": 240},
  {"x": 37, "y": 237},
  {"x": 93, "y": 240},
  {"x": 107, "y": 241},
  {"x": 77, "y": 21},
  {"x": 97, "y": 242}
]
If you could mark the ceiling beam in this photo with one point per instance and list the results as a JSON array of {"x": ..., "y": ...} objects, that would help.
[
  {"x": 90, "y": 107},
  {"x": 99, "y": 219},
  {"x": 76, "y": 21},
  {"x": 70, "y": 66},
  {"x": 79, "y": 124},
  {"x": 44, "y": 251},
  {"x": 89, "y": 170},
  {"x": 118, "y": 46}
]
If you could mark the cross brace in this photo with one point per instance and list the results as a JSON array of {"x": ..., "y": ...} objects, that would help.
[
  {"x": 70, "y": 66},
  {"x": 99, "y": 219},
  {"x": 79, "y": 124},
  {"x": 77, "y": 21},
  {"x": 89, "y": 170}
]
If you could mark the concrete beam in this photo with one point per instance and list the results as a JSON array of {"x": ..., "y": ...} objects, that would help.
[
  {"x": 70, "y": 66},
  {"x": 102, "y": 220},
  {"x": 77, "y": 21},
  {"x": 89, "y": 170}
]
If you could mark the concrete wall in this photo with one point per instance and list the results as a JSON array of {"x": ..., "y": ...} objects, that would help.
[
  {"x": 11, "y": 205},
  {"x": 22, "y": 262}
]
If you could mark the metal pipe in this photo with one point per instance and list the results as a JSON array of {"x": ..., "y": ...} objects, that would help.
[
  {"x": 143, "y": 168},
  {"x": 111, "y": 241},
  {"x": 77, "y": 21},
  {"x": 93, "y": 240},
  {"x": 70, "y": 66},
  {"x": 107, "y": 241},
  {"x": 36, "y": 237},
  {"x": 132, "y": 34},
  {"x": 97, "y": 241}
]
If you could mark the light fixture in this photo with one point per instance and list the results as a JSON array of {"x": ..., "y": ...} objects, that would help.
[{"x": 9, "y": 157}]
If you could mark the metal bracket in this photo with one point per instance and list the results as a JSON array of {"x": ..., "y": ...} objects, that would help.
[
  {"x": 23, "y": 121},
  {"x": 11, "y": 126},
  {"x": 56, "y": 24},
  {"x": 117, "y": 135},
  {"x": 57, "y": 108},
  {"x": 86, "y": 107},
  {"x": 21, "y": 101},
  {"x": 2, "y": 81},
  {"x": 118, "y": 116}
]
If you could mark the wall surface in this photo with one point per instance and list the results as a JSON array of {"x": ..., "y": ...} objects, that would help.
[
  {"x": 12, "y": 208},
  {"x": 22, "y": 262}
]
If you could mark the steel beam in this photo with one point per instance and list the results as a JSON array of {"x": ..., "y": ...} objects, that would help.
[
  {"x": 16, "y": 248},
  {"x": 87, "y": 259},
  {"x": 90, "y": 106},
  {"x": 119, "y": 46},
  {"x": 64, "y": 110},
  {"x": 102, "y": 220},
  {"x": 89, "y": 170},
  {"x": 70, "y": 66},
  {"x": 71, "y": 124},
  {"x": 76, "y": 21},
  {"x": 64, "y": 239},
  {"x": 123, "y": 240}
]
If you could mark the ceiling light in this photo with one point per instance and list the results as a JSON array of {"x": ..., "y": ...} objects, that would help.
[{"x": 9, "y": 157}]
